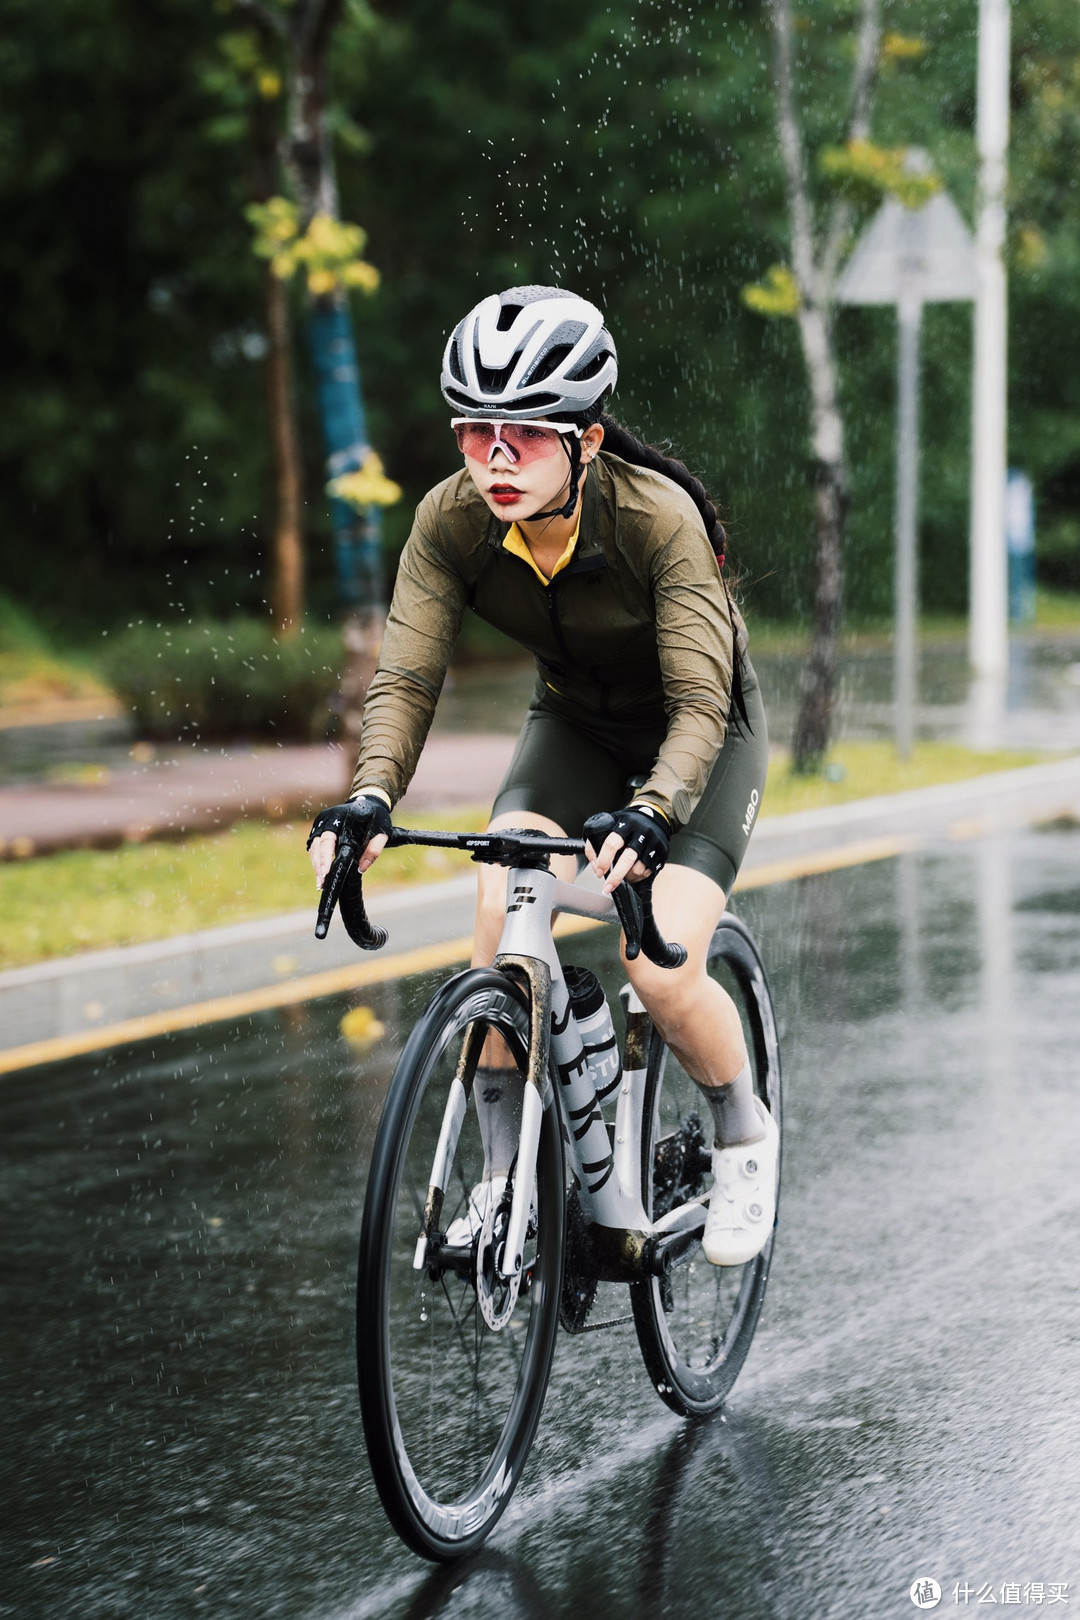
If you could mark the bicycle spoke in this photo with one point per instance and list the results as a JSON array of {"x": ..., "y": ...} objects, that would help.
[
  {"x": 444, "y": 1407},
  {"x": 695, "y": 1332}
]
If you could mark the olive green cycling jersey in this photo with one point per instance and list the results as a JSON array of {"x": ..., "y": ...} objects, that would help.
[{"x": 637, "y": 627}]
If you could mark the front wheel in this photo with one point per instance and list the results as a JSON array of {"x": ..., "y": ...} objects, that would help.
[
  {"x": 450, "y": 1402},
  {"x": 695, "y": 1326}
]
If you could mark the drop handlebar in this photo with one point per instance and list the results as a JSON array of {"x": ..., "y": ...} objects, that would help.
[{"x": 510, "y": 847}]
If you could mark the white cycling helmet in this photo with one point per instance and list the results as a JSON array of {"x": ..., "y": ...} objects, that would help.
[{"x": 529, "y": 352}]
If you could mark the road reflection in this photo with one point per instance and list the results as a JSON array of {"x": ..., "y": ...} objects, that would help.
[{"x": 179, "y": 1431}]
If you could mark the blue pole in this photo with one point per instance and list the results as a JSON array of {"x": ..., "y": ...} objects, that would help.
[{"x": 357, "y": 536}]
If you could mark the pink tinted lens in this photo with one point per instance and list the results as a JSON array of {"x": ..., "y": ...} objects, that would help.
[{"x": 520, "y": 441}]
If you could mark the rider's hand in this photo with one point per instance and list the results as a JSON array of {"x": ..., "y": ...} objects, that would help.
[
  {"x": 636, "y": 847},
  {"x": 366, "y": 820}
]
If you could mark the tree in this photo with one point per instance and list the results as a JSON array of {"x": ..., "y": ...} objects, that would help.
[
  {"x": 818, "y": 239},
  {"x": 627, "y": 149},
  {"x": 305, "y": 233},
  {"x": 248, "y": 82}
]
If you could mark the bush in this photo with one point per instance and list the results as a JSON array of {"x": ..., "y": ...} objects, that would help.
[{"x": 208, "y": 679}]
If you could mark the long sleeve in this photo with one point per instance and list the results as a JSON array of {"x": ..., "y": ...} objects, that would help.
[
  {"x": 696, "y": 645},
  {"x": 421, "y": 630}
]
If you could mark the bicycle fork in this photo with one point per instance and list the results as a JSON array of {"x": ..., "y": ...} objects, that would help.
[{"x": 537, "y": 975}]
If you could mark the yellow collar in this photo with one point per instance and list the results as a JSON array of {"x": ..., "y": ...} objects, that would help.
[{"x": 514, "y": 543}]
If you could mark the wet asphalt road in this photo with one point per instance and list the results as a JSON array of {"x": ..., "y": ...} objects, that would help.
[{"x": 179, "y": 1432}]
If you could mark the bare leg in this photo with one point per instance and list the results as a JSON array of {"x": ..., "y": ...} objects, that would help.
[
  {"x": 498, "y": 1088},
  {"x": 694, "y": 1014}
]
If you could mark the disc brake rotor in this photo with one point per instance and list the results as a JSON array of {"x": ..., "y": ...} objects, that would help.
[{"x": 497, "y": 1295}]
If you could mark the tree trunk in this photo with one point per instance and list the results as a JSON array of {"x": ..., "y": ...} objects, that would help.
[
  {"x": 286, "y": 583},
  {"x": 307, "y": 154},
  {"x": 813, "y": 724},
  {"x": 287, "y": 567},
  {"x": 815, "y": 273}
]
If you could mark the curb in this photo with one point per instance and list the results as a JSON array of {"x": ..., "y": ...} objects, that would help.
[{"x": 100, "y": 998}]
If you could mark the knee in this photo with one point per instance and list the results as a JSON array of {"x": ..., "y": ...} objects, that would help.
[
  {"x": 668, "y": 994},
  {"x": 490, "y": 909}
]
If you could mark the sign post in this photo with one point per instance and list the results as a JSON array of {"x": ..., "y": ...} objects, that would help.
[
  {"x": 988, "y": 628},
  {"x": 909, "y": 257}
]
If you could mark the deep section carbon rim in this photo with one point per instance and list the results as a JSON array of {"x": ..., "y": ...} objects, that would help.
[
  {"x": 450, "y": 1406},
  {"x": 695, "y": 1327}
]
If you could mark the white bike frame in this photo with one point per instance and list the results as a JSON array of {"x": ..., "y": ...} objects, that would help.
[{"x": 608, "y": 1181}]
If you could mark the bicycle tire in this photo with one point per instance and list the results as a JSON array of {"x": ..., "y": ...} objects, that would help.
[
  {"x": 695, "y": 1327},
  {"x": 448, "y": 1415}
]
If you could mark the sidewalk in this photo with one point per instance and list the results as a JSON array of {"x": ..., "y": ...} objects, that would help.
[
  {"x": 107, "y": 997},
  {"x": 206, "y": 791}
]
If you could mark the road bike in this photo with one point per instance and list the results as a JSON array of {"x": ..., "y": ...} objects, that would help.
[{"x": 455, "y": 1341}]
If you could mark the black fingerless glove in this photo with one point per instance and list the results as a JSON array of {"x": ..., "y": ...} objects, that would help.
[
  {"x": 356, "y": 823},
  {"x": 648, "y": 835}
]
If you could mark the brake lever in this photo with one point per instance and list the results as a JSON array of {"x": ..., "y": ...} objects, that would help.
[
  {"x": 628, "y": 910},
  {"x": 343, "y": 888},
  {"x": 633, "y": 905},
  {"x": 665, "y": 953}
]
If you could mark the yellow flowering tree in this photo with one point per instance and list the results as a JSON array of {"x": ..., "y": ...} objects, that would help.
[
  {"x": 299, "y": 232},
  {"x": 329, "y": 252}
]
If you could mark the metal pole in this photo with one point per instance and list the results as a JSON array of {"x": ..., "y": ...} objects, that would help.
[
  {"x": 988, "y": 643},
  {"x": 905, "y": 646}
]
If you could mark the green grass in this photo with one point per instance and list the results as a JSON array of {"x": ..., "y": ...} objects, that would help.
[
  {"x": 91, "y": 899},
  {"x": 863, "y": 770},
  {"x": 34, "y": 673},
  {"x": 1054, "y": 611}
]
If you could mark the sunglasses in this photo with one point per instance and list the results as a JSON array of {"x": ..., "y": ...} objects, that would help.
[{"x": 519, "y": 441}]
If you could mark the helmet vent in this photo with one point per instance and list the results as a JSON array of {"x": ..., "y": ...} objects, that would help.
[
  {"x": 591, "y": 368},
  {"x": 549, "y": 363},
  {"x": 492, "y": 381},
  {"x": 558, "y": 346},
  {"x": 507, "y": 316}
]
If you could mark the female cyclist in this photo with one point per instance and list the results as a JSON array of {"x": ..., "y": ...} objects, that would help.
[{"x": 599, "y": 554}]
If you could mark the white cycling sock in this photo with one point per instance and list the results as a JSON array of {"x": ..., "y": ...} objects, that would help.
[
  {"x": 735, "y": 1115},
  {"x": 499, "y": 1094}
]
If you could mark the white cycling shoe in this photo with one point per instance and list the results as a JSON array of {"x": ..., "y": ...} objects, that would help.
[
  {"x": 460, "y": 1233},
  {"x": 742, "y": 1204}
]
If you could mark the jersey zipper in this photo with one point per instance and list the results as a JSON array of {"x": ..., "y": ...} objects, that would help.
[{"x": 560, "y": 639}]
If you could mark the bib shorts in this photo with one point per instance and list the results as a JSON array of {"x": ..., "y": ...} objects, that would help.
[{"x": 568, "y": 766}]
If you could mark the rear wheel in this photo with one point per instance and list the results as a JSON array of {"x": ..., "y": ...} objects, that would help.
[
  {"x": 695, "y": 1326},
  {"x": 450, "y": 1402}
]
